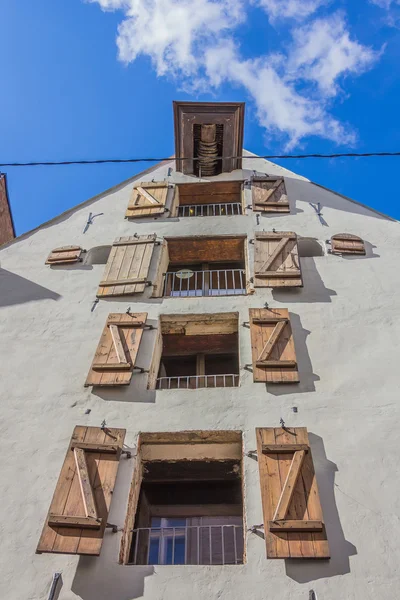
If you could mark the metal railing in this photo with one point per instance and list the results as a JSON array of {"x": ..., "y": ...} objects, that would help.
[
  {"x": 211, "y": 210},
  {"x": 226, "y": 282},
  {"x": 193, "y": 382},
  {"x": 189, "y": 545}
]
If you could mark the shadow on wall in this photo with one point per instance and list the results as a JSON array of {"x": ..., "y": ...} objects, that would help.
[
  {"x": 15, "y": 289},
  {"x": 304, "y": 571},
  {"x": 116, "y": 582},
  {"x": 307, "y": 377},
  {"x": 313, "y": 289}
]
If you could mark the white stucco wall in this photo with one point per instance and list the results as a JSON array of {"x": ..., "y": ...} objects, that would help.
[{"x": 347, "y": 336}]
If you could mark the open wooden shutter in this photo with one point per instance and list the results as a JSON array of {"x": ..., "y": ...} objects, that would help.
[
  {"x": 128, "y": 266},
  {"x": 269, "y": 194},
  {"x": 116, "y": 353},
  {"x": 293, "y": 520},
  {"x": 276, "y": 260},
  {"x": 347, "y": 243},
  {"x": 81, "y": 502},
  {"x": 273, "y": 352},
  {"x": 64, "y": 255},
  {"x": 148, "y": 200}
]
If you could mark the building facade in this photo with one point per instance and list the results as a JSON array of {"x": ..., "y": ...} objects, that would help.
[
  {"x": 199, "y": 391},
  {"x": 7, "y": 232}
]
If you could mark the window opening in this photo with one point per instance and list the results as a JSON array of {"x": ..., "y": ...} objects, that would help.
[
  {"x": 309, "y": 247},
  {"x": 217, "y": 199},
  {"x": 98, "y": 255},
  {"x": 190, "y": 508},
  {"x": 195, "y": 268},
  {"x": 201, "y": 354}
]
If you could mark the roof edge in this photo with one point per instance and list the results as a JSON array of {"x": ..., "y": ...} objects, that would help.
[{"x": 89, "y": 201}]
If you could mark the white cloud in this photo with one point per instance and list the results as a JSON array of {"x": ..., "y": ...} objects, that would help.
[
  {"x": 323, "y": 51},
  {"x": 290, "y": 9},
  {"x": 384, "y": 3},
  {"x": 194, "y": 42}
]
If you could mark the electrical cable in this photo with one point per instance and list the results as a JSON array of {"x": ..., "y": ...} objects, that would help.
[{"x": 168, "y": 159}]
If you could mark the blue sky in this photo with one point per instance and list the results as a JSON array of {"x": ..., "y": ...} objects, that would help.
[{"x": 95, "y": 79}]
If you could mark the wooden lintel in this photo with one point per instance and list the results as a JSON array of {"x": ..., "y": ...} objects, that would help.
[
  {"x": 67, "y": 521},
  {"x": 102, "y": 448},
  {"x": 110, "y": 282},
  {"x": 283, "y": 448},
  {"x": 111, "y": 367},
  {"x": 301, "y": 526},
  {"x": 280, "y": 364}
]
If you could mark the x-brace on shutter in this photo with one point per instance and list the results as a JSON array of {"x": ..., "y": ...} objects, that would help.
[
  {"x": 269, "y": 194},
  {"x": 276, "y": 260},
  {"x": 273, "y": 351},
  {"x": 78, "y": 513},
  {"x": 128, "y": 265},
  {"x": 115, "y": 357},
  {"x": 148, "y": 200},
  {"x": 293, "y": 520}
]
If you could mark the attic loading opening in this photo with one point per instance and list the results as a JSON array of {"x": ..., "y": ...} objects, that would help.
[
  {"x": 207, "y": 147},
  {"x": 198, "y": 351},
  {"x": 205, "y": 266},
  {"x": 190, "y": 501},
  {"x": 211, "y": 199}
]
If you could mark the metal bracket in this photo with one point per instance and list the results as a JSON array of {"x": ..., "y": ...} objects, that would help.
[
  {"x": 246, "y": 324},
  {"x": 255, "y": 528},
  {"x": 249, "y": 206},
  {"x": 141, "y": 369},
  {"x": 251, "y": 453},
  {"x": 148, "y": 327},
  {"x": 149, "y": 283},
  {"x": 251, "y": 241},
  {"x": 127, "y": 452},
  {"x": 114, "y": 528}
]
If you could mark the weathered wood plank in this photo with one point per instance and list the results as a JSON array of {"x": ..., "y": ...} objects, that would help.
[
  {"x": 293, "y": 526},
  {"x": 74, "y": 522},
  {"x": 84, "y": 482},
  {"x": 284, "y": 448},
  {"x": 289, "y": 485}
]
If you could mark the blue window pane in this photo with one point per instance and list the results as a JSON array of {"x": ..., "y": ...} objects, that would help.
[{"x": 153, "y": 552}]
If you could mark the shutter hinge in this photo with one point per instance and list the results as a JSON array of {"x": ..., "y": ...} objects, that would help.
[
  {"x": 249, "y": 206},
  {"x": 148, "y": 326},
  {"x": 255, "y": 528},
  {"x": 127, "y": 452},
  {"x": 114, "y": 528},
  {"x": 251, "y": 241},
  {"x": 251, "y": 453},
  {"x": 246, "y": 324},
  {"x": 141, "y": 369}
]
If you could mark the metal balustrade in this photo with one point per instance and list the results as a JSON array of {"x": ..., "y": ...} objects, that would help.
[
  {"x": 227, "y": 282},
  {"x": 211, "y": 210},
  {"x": 188, "y": 545},
  {"x": 193, "y": 382}
]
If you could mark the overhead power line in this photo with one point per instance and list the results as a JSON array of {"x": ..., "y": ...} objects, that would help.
[{"x": 101, "y": 161}]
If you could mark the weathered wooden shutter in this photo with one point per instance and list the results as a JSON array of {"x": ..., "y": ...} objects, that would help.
[
  {"x": 81, "y": 502},
  {"x": 293, "y": 520},
  {"x": 273, "y": 352},
  {"x": 148, "y": 200},
  {"x": 276, "y": 260},
  {"x": 347, "y": 243},
  {"x": 64, "y": 255},
  {"x": 116, "y": 353},
  {"x": 269, "y": 194},
  {"x": 128, "y": 266}
]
